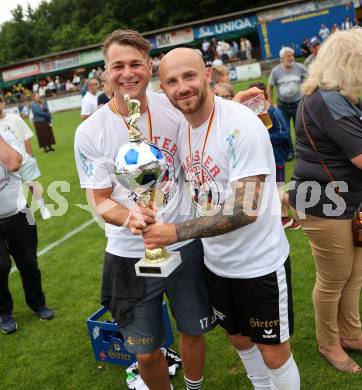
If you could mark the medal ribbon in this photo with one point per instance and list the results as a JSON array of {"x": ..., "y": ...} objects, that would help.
[
  {"x": 149, "y": 120},
  {"x": 211, "y": 120}
]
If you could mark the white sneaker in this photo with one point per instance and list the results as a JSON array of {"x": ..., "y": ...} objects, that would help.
[{"x": 45, "y": 213}]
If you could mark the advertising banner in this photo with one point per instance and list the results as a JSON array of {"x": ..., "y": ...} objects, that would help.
[
  {"x": 21, "y": 72},
  {"x": 174, "y": 38},
  {"x": 60, "y": 64},
  {"x": 152, "y": 40},
  {"x": 292, "y": 30},
  {"x": 91, "y": 56},
  {"x": 211, "y": 30}
]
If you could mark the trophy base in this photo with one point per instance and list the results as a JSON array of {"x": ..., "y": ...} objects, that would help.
[{"x": 162, "y": 269}]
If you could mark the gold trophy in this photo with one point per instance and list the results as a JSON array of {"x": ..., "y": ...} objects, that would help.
[{"x": 140, "y": 166}]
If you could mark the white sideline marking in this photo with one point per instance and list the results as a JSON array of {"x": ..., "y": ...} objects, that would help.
[{"x": 60, "y": 241}]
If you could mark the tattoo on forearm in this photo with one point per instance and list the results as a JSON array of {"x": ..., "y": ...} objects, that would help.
[{"x": 248, "y": 193}]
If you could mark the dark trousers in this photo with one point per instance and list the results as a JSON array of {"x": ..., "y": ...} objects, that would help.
[
  {"x": 289, "y": 111},
  {"x": 19, "y": 239}
]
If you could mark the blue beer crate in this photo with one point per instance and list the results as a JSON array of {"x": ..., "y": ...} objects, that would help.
[{"x": 107, "y": 339}]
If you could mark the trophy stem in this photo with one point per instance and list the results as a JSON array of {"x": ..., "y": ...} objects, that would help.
[{"x": 156, "y": 255}]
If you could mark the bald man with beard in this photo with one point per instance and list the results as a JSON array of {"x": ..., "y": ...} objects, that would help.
[{"x": 228, "y": 161}]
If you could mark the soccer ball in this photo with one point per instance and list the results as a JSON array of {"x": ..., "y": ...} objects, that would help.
[{"x": 140, "y": 165}]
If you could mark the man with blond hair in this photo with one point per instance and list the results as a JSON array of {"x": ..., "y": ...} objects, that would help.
[{"x": 136, "y": 303}]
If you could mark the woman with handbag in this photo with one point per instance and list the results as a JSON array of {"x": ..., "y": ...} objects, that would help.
[
  {"x": 326, "y": 192},
  {"x": 42, "y": 122}
]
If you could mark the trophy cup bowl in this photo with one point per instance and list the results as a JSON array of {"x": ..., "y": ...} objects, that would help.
[{"x": 140, "y": 166}]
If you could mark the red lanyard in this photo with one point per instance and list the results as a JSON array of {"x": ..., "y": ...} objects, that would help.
[
  {"x": 211, "y": 120},
  {"x": 149, "y": 121}
]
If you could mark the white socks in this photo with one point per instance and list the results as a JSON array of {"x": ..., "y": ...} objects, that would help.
[
  {"x": 193, "y": 385},
  {"x": 287, "y": 376},
  {"x": 257, "y": 371}
]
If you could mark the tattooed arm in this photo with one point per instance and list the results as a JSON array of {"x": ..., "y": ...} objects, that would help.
[
  {"x": 244, "y": 211},
  {"x": 247, "y": 194}
]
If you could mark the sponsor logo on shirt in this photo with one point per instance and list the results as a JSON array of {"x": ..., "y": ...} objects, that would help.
[
  {"x": 205, "y": 189},
  {"x": 86, "y": 164},
  {"x": 168, "y": 186},
  {"x": 230, "y": 140}
]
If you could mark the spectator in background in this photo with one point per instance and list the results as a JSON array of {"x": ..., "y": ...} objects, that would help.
[
  {"x": 221, "y": 54},
  {"x": 324, "y": 32},
  {"x": 84, "y": 88},
  {"x": 304, "y": 47},
  {"x": 76, "y": 80},
  {"x": 51, "y": 87},
  {"x": 58, "y": 84},
  {"x": 90, "y": 101},
  {"x": 249, "y": 49},
  {"x": 92, "y": 74},
  {"x": 287, "y": 77},
  {"x": 347, "y": 24},
  {"x": 23, "y": 108},
  {"x": 42, "y": 122},
  {"x": 329, "y": 117},
  {"x": 29, "y": 170},
  {"x": 224, "y": 90},
  {"x": 18, "y": 239},
  {"x": 35, "y": 87},
  {"x": 217, "y": 61},
  {"x": 314, "y": 45},
  {"x": 205, "y": 46},
  {"x": 242, "y": 49},
  {"x": 69, "y": 86},
  {"x": 234, "y": 51},
  {"x": 99, "y": 72},
  {"x": 213, "y": 43},
  {"x": 155, "y": 64},
  {"x": 220, "y": 74},
  {"x": 107, "y": 93},
  {"x": 42, "y": 89},
  {"x": 334, "y": 28}
]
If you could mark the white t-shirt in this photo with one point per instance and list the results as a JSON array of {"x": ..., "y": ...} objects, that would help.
[
  {"x": 18, "y": 127},
  {"x": 11, "y": 195},
  {"x": 89, "y": 104},
  {"x": 324, "y": 33},
  {"x": 238, "y": 146},
  {"x": 97, "y": 142}
]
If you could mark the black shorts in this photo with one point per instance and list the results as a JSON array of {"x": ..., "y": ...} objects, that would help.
[
  {"x": 185, "y": 288},
  {"x": 260, "y": 308}
]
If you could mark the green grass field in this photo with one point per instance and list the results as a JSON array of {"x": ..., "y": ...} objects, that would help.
[{"x": 58, "y": 354}]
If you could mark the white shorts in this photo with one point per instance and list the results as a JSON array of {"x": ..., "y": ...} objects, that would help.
[{"x": 29, "y": 170}]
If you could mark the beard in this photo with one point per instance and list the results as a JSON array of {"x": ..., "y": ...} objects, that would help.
[
  {"x": 289, "y": 64},
  {"x": 193, "y": 107}
]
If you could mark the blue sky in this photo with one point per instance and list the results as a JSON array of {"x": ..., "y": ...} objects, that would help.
[{"x": 7, "y": 5}]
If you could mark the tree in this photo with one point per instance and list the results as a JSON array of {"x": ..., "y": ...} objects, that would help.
[{"x": 65, "y": 24}]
